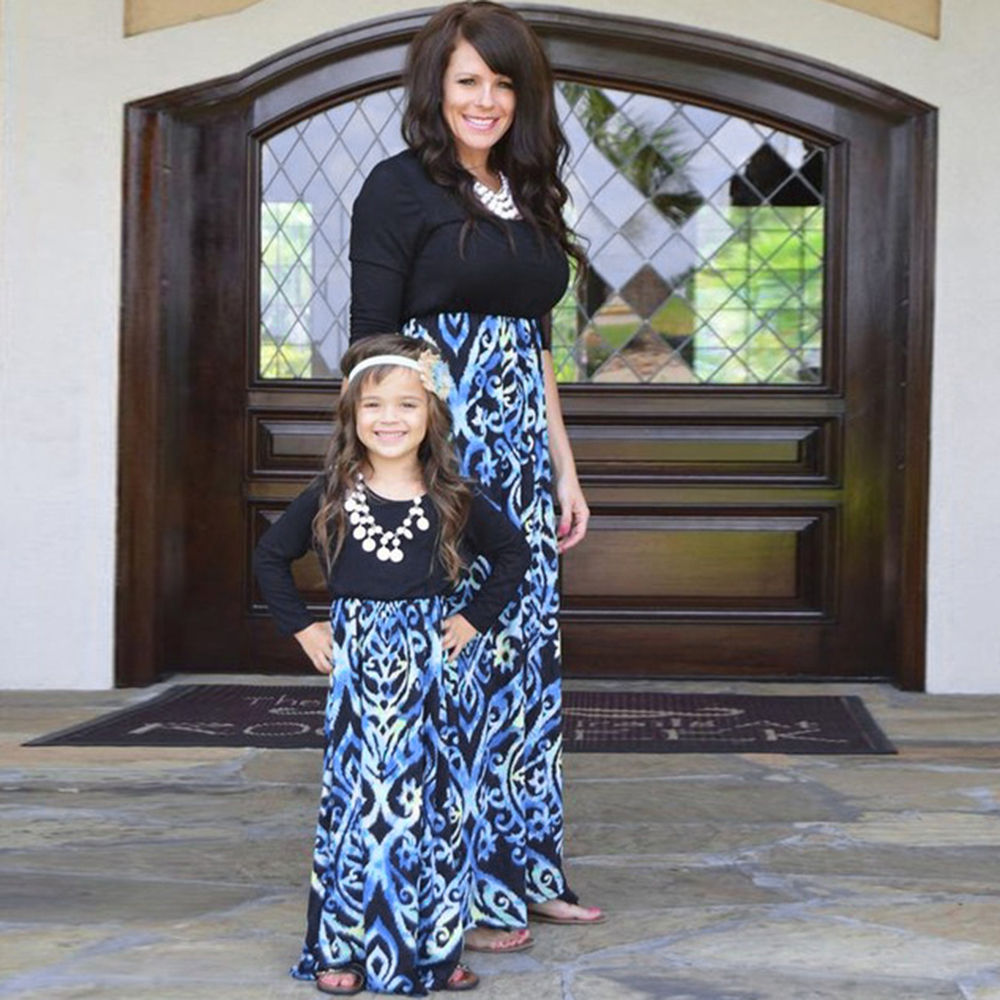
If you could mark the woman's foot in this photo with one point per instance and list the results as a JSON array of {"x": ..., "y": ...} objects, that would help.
[
  {"x": 558, "y": 911},
  {"x": 463, "y": 978},
  {"x": 343, "y": 982},
  {"x": 496, "y": 941}
]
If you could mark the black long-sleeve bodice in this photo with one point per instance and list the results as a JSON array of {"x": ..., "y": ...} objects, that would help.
[
  {"x": 357, "y": 573},
  {"x": 407, "y": 261}
]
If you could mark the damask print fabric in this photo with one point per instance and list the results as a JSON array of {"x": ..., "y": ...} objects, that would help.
[
  {"x": 510, "y": 702},
  {"x": 390, "y": 875}
]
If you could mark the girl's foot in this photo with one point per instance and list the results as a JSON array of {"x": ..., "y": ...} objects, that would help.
[
  {"x": 343, "y": 982},
  {"x": 558, "y": 911},
  {"x": 496, "y": 941},
  {"x": 463, "y": 978}
]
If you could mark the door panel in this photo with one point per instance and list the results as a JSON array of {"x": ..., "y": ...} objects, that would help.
[
  {"x": 756, "y": 561},
  {"x": 734, "y": 371},
  {"x": 721, "y": 451}
]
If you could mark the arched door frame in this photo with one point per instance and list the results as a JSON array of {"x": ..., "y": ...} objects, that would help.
[{"x": 169, "y": 137}]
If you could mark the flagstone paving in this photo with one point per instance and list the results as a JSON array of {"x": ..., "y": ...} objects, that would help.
[{"x": 181, "y": 874}]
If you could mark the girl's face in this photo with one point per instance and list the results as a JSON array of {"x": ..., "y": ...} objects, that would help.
[
  {"x": 391, "y": 416},
  {"x": 477, "y": 104}
]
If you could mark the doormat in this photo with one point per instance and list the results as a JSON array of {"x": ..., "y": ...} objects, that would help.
[{"x": 291, "y": 717}]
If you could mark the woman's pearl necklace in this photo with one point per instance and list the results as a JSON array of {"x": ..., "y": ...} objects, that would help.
[
  {"x": 387, "y": 545},
  {"x": 500, "y": 203}
]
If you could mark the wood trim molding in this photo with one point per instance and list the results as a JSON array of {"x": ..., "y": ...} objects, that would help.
[
  {"x": 915, "y": 446},
  {"x": 138, "y": 583}
]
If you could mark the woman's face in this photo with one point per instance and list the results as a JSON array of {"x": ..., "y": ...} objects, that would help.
[{"x": 477, "y": 104}]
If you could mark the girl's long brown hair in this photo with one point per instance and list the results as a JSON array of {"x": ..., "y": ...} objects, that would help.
[
  {"x": 346, "y": 456},
  {"x": 533, "y": 151}
]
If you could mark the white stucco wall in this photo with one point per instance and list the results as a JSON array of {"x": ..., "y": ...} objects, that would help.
[{"x": 67, "y": 71}]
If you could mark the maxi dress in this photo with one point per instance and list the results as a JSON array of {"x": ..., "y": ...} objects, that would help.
[
  {"x": 480, "y": 300},
  {"x": 390, "y": 873}
]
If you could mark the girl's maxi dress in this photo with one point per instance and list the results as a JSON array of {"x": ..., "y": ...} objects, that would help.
[
  {"x": 478, "y": 295},
  {"x": 390, "y": 867}
]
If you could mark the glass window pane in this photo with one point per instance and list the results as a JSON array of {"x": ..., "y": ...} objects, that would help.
[
  {"x": 310, "y": 175},
  {"x": 704, "y": 236}
]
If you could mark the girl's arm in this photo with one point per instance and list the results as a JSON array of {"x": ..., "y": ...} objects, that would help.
[
  {"x": 289, "y": 538},
  {"x": 573, "y": 510}
]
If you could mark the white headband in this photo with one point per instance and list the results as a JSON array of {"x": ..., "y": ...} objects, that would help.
[{"x": 385, "y": 359}]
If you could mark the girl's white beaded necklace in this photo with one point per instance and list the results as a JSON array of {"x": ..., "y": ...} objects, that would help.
[
  {"x": 387, "y": 545},
  {"x": 500, "y": 203}
]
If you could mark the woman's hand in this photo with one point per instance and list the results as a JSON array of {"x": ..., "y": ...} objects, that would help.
[
  {"x": 455, "y": 633},
  {"x": 573, "y": 512},
  {"x": 316, "y": 641}
]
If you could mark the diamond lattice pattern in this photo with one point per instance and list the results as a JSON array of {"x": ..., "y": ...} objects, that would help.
[
  {"x": 310, "y": 175},
  {"x": 704, "y": 236}
]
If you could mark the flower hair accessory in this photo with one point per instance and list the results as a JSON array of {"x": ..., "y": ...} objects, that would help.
[{"x": 434, "y": 374}]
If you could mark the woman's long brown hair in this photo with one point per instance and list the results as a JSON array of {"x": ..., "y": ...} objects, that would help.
[
  {"x": 346, "y": 456},
  {"x": 533, "y": 151}
]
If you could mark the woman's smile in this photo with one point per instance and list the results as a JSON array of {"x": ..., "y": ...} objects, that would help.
[{"x": 482, "y": 124}]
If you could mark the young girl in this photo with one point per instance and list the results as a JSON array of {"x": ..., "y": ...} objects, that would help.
[{"x": 394, "y": 525}]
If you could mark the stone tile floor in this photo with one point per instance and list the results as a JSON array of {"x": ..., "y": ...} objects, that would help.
[{"x": 181, "y": 874}]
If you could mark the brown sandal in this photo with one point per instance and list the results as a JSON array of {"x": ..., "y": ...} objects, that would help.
[
  {"x": 467, "y": 980},
  {"x": 351, "y": 969}
]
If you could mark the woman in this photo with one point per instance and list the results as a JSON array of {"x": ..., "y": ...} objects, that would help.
[{"x": 460, "y": 241}]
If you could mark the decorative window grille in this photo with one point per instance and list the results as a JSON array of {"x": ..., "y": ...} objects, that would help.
[{"x": 704, "y": 235}]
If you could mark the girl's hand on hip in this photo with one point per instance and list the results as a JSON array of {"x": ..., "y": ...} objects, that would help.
[
  {"x": 573, "y": 513},
  {"x": 455, "y": 633},
  {"x": 316, "y": 641}
]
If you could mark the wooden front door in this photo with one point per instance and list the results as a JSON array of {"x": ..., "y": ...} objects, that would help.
[{"x": 743, "y": 370}]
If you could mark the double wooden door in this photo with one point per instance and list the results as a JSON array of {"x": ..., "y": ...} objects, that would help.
[{"x": 744, "y": 372}]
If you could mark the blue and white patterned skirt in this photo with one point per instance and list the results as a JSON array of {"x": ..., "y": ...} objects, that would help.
[{"x": 390, "y": 878}]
